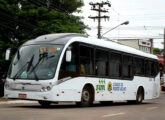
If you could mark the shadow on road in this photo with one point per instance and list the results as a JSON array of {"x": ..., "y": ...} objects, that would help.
[{"x": 74, "y": 106}]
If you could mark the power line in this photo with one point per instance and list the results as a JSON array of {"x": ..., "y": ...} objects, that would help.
[
  {"x": 48, "y": 5},
  {"x": 136, "y": 37},
  {"x": 136, "y": 27}
]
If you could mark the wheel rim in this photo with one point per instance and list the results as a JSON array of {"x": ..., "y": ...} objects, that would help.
[{"x": 85, "y": 96}]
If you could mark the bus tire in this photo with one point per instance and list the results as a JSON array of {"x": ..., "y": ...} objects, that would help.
[
  {"x": 86, "y": 97},
  {"x": 44, "y": 103},
  {"x": 140, "y": 96}
]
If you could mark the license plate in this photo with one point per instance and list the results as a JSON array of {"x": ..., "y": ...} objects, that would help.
[{"x": 22, "y": 95}]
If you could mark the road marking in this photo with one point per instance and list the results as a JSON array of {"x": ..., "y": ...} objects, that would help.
[
  {"x": 151, "y": 108},
  {"x": 111, "y": 115}
]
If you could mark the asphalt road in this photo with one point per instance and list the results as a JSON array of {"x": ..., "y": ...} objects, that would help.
[{"x": 149, "y": 110}]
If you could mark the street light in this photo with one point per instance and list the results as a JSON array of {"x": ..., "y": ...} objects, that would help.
[{"x": 124, "y": 23}]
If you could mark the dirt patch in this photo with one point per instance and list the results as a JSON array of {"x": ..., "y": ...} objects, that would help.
[{"x": 3, "y": 99}]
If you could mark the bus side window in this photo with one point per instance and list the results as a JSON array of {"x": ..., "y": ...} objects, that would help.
[
  {"x": 71, "y": 66},
  {"x": 153, "y": 69},
  {"x": 70, "y": 69},
  {"x": 127, "y": 66},
  {"x": 115, "y": 65},
  {"x": 147, "y": 68},
  {"x": 101, "y": 63},
  {"x": 86, "y": 60},
  {"x": 138, "y": 66}
]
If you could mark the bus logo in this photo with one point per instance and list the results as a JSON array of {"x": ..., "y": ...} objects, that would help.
[{"x": 109, "y": 86}]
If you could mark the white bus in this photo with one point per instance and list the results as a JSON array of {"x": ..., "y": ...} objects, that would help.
[{"x": 74, "y": 68}]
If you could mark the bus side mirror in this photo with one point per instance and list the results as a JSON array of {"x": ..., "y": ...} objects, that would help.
[
  {"x": 68, "y": 55},
  {"x": 7, "y": 56}
]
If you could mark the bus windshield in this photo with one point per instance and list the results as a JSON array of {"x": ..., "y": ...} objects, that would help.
[{"x": 35, "y": 62}]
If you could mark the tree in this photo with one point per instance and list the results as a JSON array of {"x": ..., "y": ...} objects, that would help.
[
  {"x": 7, "y": 30},
  {"x": 157, "y": 51},
  {"x": 22, "y": 20},
  {"x": 68, "y": 6}
]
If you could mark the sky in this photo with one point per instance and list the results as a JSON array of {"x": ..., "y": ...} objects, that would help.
[{"x": 146, "y": 19}]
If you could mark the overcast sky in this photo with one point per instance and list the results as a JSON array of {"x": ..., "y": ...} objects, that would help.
[{"x": 146, "y": 17}]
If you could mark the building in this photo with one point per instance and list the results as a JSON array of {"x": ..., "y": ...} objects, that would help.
[{"x": 143, "y": 45}]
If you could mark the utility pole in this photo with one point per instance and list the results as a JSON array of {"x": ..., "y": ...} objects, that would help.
[
  {"x": 99, "y": 8},
  {"x": 151, "y": 41}
]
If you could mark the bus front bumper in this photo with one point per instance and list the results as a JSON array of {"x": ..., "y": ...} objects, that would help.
[{"x": 54, "y": 96}]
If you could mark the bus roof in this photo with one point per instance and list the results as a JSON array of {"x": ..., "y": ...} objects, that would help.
[
  {"x": 59, "y": 38},
  {"x": 64, "y": 38}
]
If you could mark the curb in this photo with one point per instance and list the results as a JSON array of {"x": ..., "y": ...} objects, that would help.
[{"x": 17, "y": 102}]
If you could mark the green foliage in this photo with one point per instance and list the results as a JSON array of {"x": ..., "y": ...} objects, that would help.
[
  {"x": 69, "y": 6},
  {"x": 157, "y": 51},
  {"x": 22, "y": 20}
]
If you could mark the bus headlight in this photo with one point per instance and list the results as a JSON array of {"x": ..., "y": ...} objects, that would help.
[
  {"x": 48, "y": 88},
  {"x": 43, "y": 89}
]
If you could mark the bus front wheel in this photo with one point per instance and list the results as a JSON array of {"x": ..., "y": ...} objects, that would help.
[{"x": 86, "y": 97}]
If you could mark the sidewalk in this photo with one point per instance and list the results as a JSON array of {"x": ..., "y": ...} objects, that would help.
[{"x": 9, "y": 101}]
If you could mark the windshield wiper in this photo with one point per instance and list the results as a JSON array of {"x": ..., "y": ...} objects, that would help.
[
  {"x": 30, "y": 63},
  {"x": 21, "y": 69},
  {"x": 43, "y": 55}
]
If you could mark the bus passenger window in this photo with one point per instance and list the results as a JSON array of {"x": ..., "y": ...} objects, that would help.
[
  {"x": 101, "y": 63},
  {"x": 72, "y": 65},
  {"x": 147, "y": 68},
  {"x": 153, "y": 69},
  {"x": 86, "y": 60},
  {"x": 127, "y": 66},
  {"x": 138, "y": 66},
  {"x": 70, "y": 69},
  {"x": 115, "y": 65}
]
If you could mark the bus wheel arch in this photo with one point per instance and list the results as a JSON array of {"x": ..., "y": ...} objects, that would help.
[
  {"x": 140, "y": 95},
  {"x": 87, "y": 96}
]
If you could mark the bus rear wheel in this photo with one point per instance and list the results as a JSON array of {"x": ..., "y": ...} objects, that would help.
[
  {"x": 140, "y": 96},
  {"x": 86, "y": 97},
  {"x": 44, "y": 103}
]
